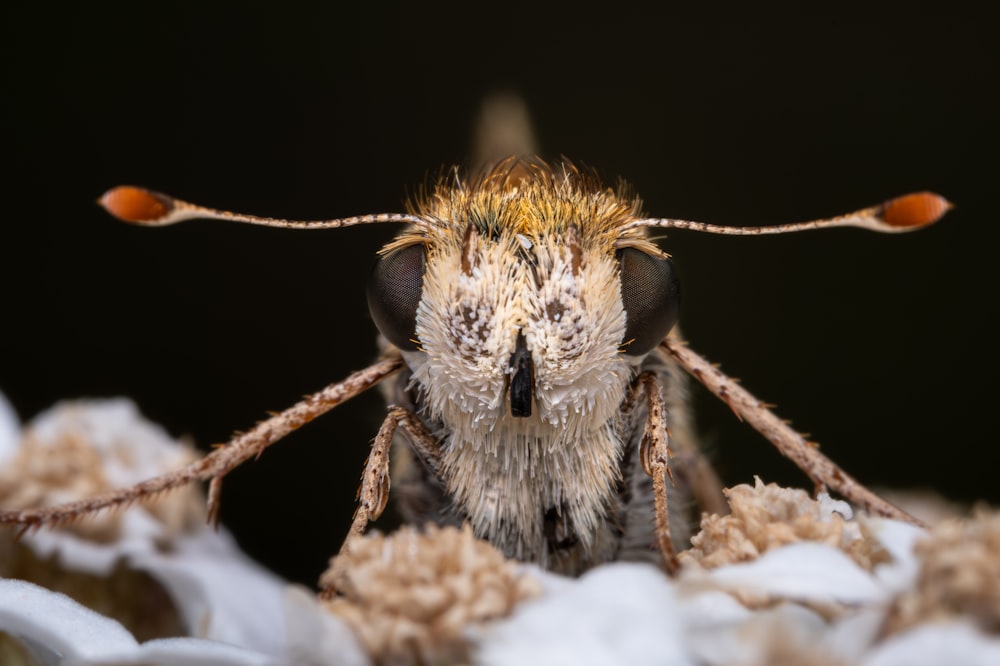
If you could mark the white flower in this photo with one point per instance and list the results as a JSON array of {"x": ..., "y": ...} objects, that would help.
[
  {"x": 782, "y": 579},
  {"x": 790, "y": 584},
  {"x": 54, "y": 629},
  {"x": 157, "y": 566},
  {"x": 614, "y": 614}
]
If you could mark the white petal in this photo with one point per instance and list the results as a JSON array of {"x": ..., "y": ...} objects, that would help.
[
  {"x": 759, "y": 635},
  {"x": 704, "y": 609},
  {"x": 316, "y": 636},
  {"x": 898, "y": 538},
  {"x": 615, "y": 614},
  {"x": 52, "y": 624},
  {"x": 936, "y": 645},
  {"x": 187, "y": 652},
  {"x": 76, "y": 553},
  {"x": 829, "y": 506},
  {"x": 801, "y": 571},
  {"x": 10, "y": 428},
  {"x": 852, "y": 636},
  {"x": 220, "y": 592}
]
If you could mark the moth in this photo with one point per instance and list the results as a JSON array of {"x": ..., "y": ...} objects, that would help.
[{"x": 535, "y": 378}]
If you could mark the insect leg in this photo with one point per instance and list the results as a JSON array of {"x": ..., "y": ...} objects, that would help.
[
  {"x": 654, "y": 453},
  {"x": 823, "y": 471},
  {"x": 693, "y": 471},
  {"x": 219, "y": 462},
  {"x": 373, "y": 493}
]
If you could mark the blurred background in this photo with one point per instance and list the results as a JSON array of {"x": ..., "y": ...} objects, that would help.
[{"x": 880, "y": 347}]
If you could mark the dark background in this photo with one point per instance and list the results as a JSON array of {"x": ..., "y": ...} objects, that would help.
[{"x": 879, "y": 346}]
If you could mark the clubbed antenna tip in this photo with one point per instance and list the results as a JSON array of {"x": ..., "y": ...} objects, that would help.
[
  {"x": 136, "y": 205},
  {"x": 914, "y": 210}
]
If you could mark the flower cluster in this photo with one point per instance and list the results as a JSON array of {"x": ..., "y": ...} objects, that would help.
[{"x": 782, "y": 578}]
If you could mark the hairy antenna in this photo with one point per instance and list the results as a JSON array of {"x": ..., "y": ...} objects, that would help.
[
  {"x": 905, "y": 213},
  {"x": 154, "y": 209}
]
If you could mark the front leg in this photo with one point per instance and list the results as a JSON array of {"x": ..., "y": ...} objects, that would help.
[
  {"x": 373, "y": 494},
  {"x": 654, "y": 454}
]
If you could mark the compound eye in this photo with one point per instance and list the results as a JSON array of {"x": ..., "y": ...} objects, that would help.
[
  {"x": 651, "y": 296},
  {"x": 394, "y": 288}
]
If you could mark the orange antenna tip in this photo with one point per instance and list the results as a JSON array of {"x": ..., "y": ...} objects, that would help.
[
  {"x": 914, "y": 210},
  {"x": 135, "y": 204}
]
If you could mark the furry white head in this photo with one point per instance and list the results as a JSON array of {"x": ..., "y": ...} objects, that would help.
[{"x": 521, "y": 288}]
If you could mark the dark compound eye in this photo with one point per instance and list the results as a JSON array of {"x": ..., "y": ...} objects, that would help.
[
  {"x": 651, "y": 296},
  {"x": 394, "y": 289}
]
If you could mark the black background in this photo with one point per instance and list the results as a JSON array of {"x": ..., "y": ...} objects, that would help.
[{"x": 879, "y": 346}]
